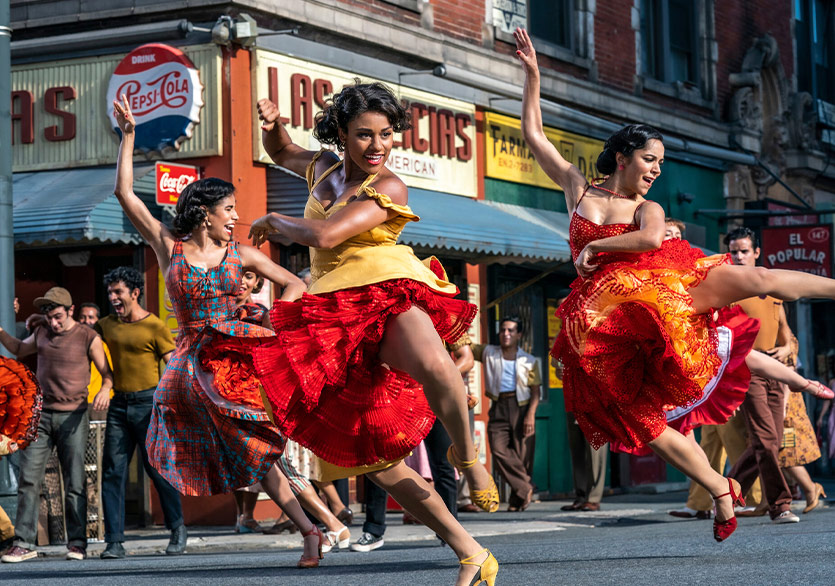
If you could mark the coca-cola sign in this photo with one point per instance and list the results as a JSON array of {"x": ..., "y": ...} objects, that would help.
[
  {"x": 164, "y": 94},
  {"x": 800, "y": 248},
  {"x": 172, "y": 179}
]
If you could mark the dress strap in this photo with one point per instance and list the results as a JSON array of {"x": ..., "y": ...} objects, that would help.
[
  {"x": 635, "y": 215},
  {"x": 311, "y": 167},
  {"x": 585, "y": 190}
]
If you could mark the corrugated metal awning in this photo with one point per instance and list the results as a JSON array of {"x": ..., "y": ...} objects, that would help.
[
  {"x": 487, "y": 231},
  {"x": 75, "y": 206},
  {"x": 475, "y": 230}
]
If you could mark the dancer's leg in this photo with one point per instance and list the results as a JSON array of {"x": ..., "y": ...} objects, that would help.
[
  {"x": 412, "y": 345},
  {"x": 277, "y": 486},
  {"x": 677, "y": 450},
  {"x": 801, "y": 476},
  {"x": 331, "y": 495},
  {"x": 697, "y": 449},
  {"x": 767, "y": 367},
  {"x": 726, "y": 284},
  {"x": 245, "y": 504},
  {"x": 416, "y": 496},
  {"x": 314, "y": 505}
]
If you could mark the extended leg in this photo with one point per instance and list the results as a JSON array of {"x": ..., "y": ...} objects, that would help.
[
  {"x": 416, "y": 496},
  {"x": 412, "y": 345},
  {"x": 677, "y": 450},
  {"x": 726, "y": 284}
]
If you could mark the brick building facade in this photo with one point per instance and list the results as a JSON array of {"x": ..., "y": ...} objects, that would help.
[{"x": 721, "y": 80}]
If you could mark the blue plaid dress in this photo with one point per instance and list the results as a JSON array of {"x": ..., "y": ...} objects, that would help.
[{"x": 201, "y": 443}]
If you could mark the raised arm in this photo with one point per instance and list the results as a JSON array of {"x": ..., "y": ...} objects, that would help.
[
  {"x": 359, "y": 216},
  {"x": 155, "y": 233},
  {"x": 650, "y": 218},
  {"x": 277, "y": 142},
  {"x": 19, "y": 348},
  {"x": 563, "y": 173},
  {"x": 257, "y": 261}
]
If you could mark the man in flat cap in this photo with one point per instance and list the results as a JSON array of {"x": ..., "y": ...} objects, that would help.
[{"x": 65, "y": 349}]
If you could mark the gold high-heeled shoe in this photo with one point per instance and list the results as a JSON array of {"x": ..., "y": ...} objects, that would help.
[
  {"x": 486, "y": 499},
  {"x": 487, "y": 569}
]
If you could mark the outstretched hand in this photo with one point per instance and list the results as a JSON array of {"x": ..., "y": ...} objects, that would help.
[
  {"x": 268, "y": 113},
  {"x": 124, "y": 118},
  {"x": 260, "y": 230},
  {"x": 525, "y": 51}
]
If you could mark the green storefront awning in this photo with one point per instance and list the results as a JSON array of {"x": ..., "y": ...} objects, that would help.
[
  {"x": 485, "y": 231},
  {"x": 75, "y": 206}
]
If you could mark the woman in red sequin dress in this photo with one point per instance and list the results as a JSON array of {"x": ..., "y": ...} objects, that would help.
[{"x": 638, "y": 335}]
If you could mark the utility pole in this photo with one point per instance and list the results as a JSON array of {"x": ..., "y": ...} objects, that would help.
[{"x": 7, "y": 276}]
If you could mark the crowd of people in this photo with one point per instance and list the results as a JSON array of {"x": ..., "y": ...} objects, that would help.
[{"x": 363, "y": 366}]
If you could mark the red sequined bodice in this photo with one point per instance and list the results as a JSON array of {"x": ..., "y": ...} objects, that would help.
[{"x": 582, "y": 231}]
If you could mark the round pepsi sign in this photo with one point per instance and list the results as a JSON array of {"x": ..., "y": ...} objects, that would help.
[{"x": 164, "y": 93}]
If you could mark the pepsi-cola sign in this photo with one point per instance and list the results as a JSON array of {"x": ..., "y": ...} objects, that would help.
[{"x": 164, "y": 94}]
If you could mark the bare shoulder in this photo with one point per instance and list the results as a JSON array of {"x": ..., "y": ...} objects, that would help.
[
  {"x": 325, "y": 161},
  {"x": 651, "y": 207},
  {"x": 392, "y": 186}
]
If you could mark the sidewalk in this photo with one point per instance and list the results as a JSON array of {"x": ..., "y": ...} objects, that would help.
[{"x": 540, "y": 517}]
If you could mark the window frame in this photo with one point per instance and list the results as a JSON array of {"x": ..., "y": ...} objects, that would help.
[
  {"x": 805, "y": 51},
  {"x": 702, "y": 91},
  {"x": 579, "y": 53}
]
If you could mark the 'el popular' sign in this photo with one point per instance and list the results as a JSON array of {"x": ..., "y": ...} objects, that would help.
[{"x": 799, "y": 248}]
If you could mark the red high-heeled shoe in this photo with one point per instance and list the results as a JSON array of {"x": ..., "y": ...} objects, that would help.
[
  {"x": 312, "y": 562},
  {"x": 817, "y": 389},
  {"x": 723, "y": 529}
]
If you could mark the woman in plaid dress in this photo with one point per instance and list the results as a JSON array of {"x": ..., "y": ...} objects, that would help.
[{"x": 200, "y": 443}]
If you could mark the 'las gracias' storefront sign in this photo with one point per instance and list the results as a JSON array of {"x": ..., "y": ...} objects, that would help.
[{"x": 164, "y": 94}]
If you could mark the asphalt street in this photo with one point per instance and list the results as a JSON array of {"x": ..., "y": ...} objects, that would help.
[{"x": 630, "y": 541}]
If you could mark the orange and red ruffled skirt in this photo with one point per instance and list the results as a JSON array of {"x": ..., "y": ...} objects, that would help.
[
  {"x": 327, "y": 389},
  {"x": 632, "y": 346},
  {"x": 21, "y": 401}
]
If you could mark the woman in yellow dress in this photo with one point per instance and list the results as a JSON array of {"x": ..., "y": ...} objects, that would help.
[{"x": 358, "y": 366}]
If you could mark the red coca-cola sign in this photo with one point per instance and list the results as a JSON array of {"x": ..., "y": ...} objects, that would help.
[
  {"x": 172, "y": 179},
  {"x": 799, "y": 248}
]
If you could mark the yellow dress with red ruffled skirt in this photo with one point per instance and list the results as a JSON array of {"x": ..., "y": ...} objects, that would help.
[
  {"x": 324, "y": 384},
  {"x": 632, "y": 346}
]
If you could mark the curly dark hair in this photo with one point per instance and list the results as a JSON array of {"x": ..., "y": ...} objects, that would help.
[
  {"x": 354, "y": 100},
  {"x": 625, "y": 141},
  {"x": 132, "y": 278},
  {"x": 740, "y": 233},
  {"x": 195, "y": 199}
]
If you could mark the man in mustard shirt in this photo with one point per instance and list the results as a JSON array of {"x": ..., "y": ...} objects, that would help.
[
  {"x": 512, "y": 380},
  {"x": 138, "y": 340},
  {"x": 765, "y": 401}
]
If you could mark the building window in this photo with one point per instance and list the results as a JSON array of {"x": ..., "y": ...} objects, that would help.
[
  {"x": 669, "y": 35},
  {"x": 814, "y": 31},
  {"x": 559, "y": 28},
  {"x": 550, "y": 21}
]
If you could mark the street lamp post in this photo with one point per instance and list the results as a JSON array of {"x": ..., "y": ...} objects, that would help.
[{"x": 6, "y": 221}]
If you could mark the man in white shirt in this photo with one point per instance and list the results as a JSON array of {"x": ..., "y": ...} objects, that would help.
[{"x": 512, "y": 380}]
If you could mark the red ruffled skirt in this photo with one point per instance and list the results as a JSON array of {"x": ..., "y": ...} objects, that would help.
[
  {"x": 21, "y": 401},
  {"x": 632, "y": 346},
  {"x": 722, "y": 396},
  {"x": 326, "y": 386}
]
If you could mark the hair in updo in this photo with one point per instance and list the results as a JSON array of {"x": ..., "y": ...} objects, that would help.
[
  {"x": 354, "y": 100},
  {"x": 625, "y": 141},
  {"x": 196, "y": 198}
]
